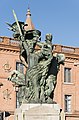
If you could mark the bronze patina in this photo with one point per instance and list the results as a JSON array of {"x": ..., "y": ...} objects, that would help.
[{"x": 38, "y": 84}]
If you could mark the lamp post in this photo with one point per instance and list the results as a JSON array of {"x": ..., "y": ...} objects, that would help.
[{"x": 16, "y": 89}]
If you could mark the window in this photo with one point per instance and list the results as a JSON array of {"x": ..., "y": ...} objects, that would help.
[
  {"x": 1, "y": 115},
  {"x": 67, "y": 75},
  {"x": 20, "y": 67},
  {"x": 67, "y": 103}
]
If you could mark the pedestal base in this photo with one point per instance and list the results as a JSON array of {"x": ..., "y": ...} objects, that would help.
[{"x": 38, "y": 112}]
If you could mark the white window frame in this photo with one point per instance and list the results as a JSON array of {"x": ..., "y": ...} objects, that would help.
[
  {"x": 67, "y": 99},
  {"x": 20, "y": 67},
  {"x": 67, "y": 75}
]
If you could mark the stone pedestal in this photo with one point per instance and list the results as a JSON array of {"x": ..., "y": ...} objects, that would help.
[{"x": 38, "y": 112}]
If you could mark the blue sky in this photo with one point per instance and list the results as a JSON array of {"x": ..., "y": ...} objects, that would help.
[{"x": 59, "y": 17}]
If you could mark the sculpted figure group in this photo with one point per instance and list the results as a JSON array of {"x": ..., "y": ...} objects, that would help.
[{"x": 39, "y": 81}]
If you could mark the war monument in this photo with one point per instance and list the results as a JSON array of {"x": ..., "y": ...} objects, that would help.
[{"x": 37, "y": 85}]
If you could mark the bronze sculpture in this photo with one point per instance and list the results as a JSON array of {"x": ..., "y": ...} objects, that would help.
[{"x": 42, "y": 65}]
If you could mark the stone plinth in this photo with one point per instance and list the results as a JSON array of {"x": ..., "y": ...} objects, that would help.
[{"x": 38, "y": 112}]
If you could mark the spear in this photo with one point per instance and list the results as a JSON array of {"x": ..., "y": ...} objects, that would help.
[
  {"x": 26, "y": 46},
  {"x": 17, "y": 22}
]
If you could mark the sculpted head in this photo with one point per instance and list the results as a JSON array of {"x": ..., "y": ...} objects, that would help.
[{"x": 49, "y": 38}]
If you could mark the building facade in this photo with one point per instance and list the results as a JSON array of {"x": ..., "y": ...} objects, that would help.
[
  {"x": 67, "y": 89},
  {"x": 9, "y": 55}
]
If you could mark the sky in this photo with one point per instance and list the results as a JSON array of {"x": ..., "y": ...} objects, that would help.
[{"x": 58, "y": 17}]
